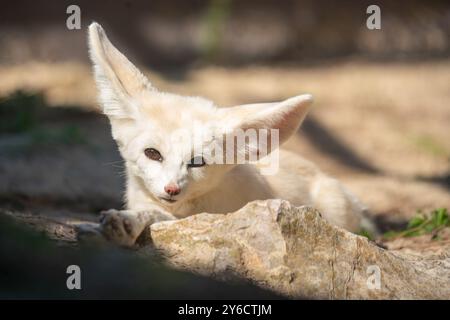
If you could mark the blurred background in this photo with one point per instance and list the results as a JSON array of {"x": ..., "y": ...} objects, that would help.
[{"x": 380, "y": 122}]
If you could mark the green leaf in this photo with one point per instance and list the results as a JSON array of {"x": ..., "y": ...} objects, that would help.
[
  {"x": 441, "y": 217},
  {"x": 390, "y": 234},
  {"x": 365, "y": 233},
  {"x": 423, "y": 224},
  {"x": 416, "y": 221}
]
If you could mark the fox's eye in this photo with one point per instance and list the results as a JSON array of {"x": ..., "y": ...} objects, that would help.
[
  {"x": 153, "y": 154},
  {"x": 196, "y": 162}
]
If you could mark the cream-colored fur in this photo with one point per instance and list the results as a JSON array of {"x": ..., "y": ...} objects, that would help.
[{"x": 143, "y": 117}]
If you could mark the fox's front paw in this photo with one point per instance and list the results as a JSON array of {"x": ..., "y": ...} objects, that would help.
[{"x": 120, "y": 227}]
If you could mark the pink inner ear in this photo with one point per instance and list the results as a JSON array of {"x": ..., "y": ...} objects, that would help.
[{"x": 286, "y": 119}]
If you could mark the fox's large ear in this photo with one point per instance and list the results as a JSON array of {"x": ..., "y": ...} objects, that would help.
[
  {"x": 279, "y": 120},
  {"x": 285, "y": 116},
  {"x": 118, "y": 80}
]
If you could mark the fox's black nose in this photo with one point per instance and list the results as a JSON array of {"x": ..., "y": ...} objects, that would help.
[{"x": 172, "y": 189}]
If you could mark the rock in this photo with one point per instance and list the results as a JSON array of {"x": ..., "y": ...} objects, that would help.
[{"x": 295, "y": 252}]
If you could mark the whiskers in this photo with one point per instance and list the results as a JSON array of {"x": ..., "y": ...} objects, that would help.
[{"x": 120, "y": 165}]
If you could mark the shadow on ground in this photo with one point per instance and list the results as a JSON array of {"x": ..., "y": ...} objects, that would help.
[
  {"x": 56, "y": 157},
  {"x": 328, "y": 144},
  {"x": 32, "y": 266}
]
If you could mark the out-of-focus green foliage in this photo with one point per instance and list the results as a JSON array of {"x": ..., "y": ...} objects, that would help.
[
  {"x": 24, "y": 113},
  {"x": 430, "y": 145},
  {"x": 422, "y": 224},
  {"x": 18, "y": 112},
  {"x": 366, "y": 233},
  {"x": 67, "y": 135},
  {"x": 214, "y": 23}
]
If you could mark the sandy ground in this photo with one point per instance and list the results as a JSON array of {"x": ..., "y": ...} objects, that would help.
[{"x": 381, "y": 128}]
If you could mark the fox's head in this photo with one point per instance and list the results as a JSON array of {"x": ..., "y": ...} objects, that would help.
[{"x": 158, "y": 133}]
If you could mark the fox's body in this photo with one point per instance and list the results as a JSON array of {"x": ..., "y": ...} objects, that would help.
[
  {"x": 298, "y": 181},
  {"x": 155, "y": 133}
]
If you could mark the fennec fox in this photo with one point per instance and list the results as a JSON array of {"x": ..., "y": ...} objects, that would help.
[{"x": 167, "y": 180}]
